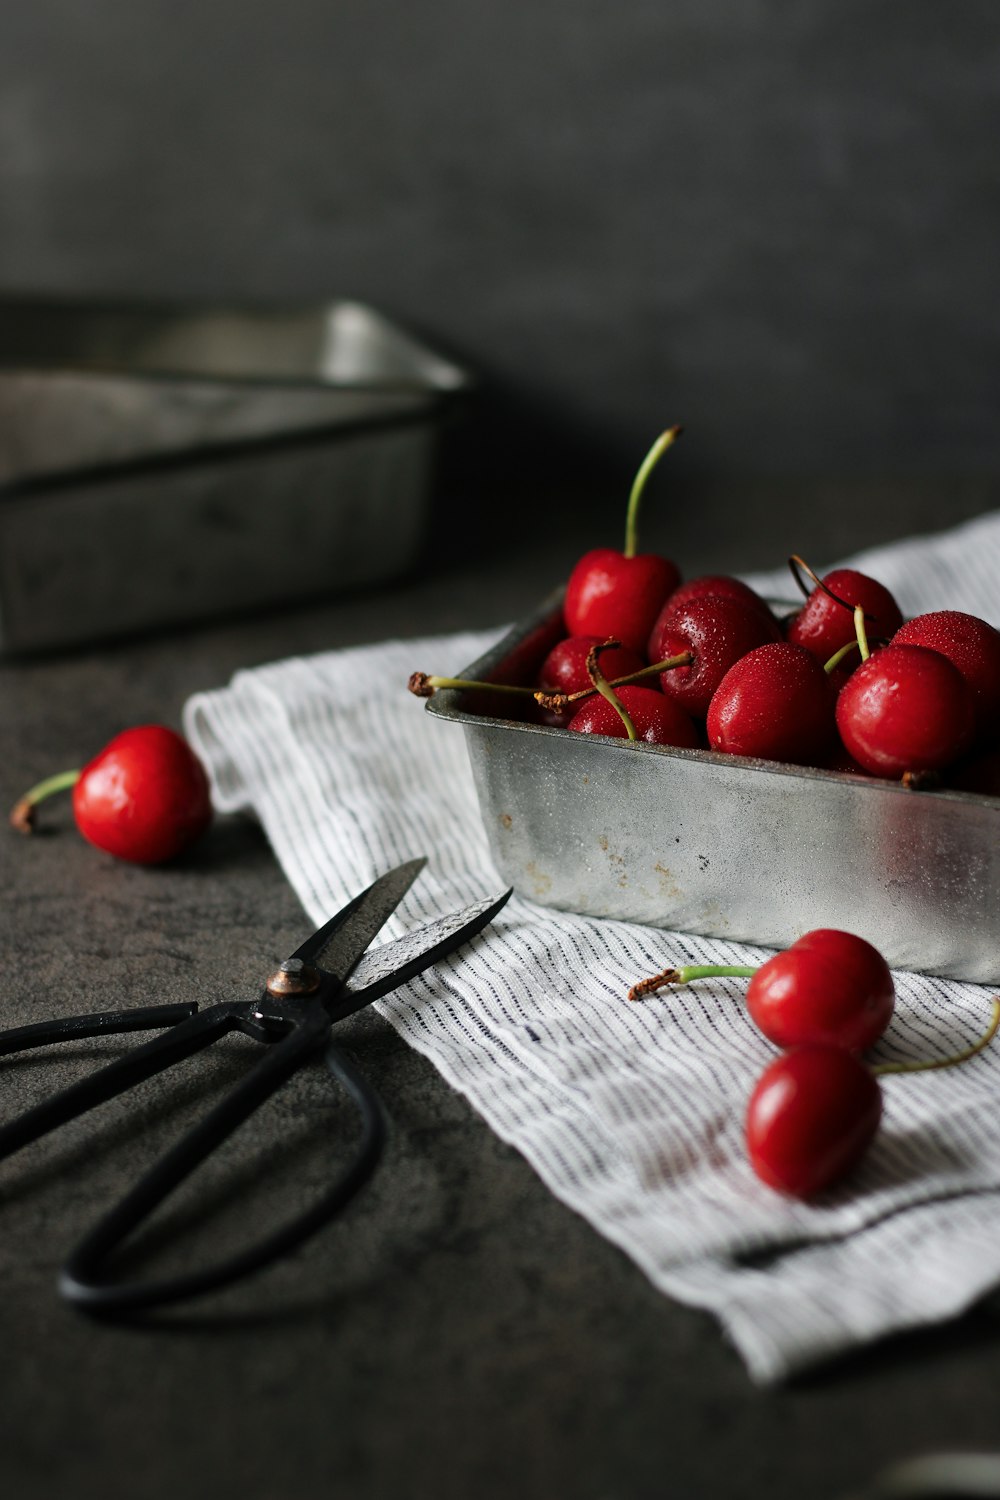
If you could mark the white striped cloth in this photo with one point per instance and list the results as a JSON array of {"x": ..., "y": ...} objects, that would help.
[{"x": 631, "y": 1114}]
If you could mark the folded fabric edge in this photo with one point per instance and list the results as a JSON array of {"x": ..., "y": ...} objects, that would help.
[
  {"x": 204, "y": 719},
  {"x": 960, "y": 1253}
]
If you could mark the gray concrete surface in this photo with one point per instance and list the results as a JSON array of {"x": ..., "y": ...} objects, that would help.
[{"x": 459, "y": 1334}]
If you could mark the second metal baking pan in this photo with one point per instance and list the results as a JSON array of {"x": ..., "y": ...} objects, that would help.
[
  {"x": 752, "y": 851},
  {"x": 163, "y": 465}
]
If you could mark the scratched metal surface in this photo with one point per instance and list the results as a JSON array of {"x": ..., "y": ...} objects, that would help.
[{"x": 748, "y": 850}]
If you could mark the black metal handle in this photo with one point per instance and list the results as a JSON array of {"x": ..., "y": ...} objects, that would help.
[
  {"x": 85, "y": 1280},
  {"x": 99, "y": 1023},
  {"x": 191, "y": 1031}
]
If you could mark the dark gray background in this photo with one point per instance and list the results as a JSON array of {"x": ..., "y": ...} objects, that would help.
[{"x": 775, "y": 222}]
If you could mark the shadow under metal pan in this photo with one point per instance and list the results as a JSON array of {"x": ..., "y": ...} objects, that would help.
[{"x": 167, "y": 464}]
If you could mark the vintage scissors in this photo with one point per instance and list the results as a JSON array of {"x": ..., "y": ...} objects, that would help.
[{"x": 294, "y": 1014}]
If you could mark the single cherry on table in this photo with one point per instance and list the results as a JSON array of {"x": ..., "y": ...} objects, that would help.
[
  {"x": 829, "y": 988},
  {"x": 144, "y": 798},
  {"x": 811, "y": 1117}
]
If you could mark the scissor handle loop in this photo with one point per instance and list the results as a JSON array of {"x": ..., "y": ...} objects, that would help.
[{"x": 85, "y": 1280}]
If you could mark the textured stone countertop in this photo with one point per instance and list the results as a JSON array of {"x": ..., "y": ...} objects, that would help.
[{"x": 460, "y": 1333}]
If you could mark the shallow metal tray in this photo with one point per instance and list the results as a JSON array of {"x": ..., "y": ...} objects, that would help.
[
  {"x": 161, "y": 465},
  {"x": 748, "y": 850}
]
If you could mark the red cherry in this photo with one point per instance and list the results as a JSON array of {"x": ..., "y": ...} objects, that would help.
[
  {"x": 713, "y": 586},
  {"x": 905, "y": 709},
  {"x": 823, "y": 624},
  {"x": 564, "y": 670},
  {"x": 775, "y": 703},
  {"x": 619, "y": 594},
  {"x": 609, "y": 594},
  {"x": 656, "y": 719},
  {"x": 811, "y": 1118},
  {"x": 838, "y": 675},
  {"x": 830, "y": 988},
  {"x": 718, "y": 631},
  {"x": 145, "y": 797},
  {"x": 972, "y": 646}
]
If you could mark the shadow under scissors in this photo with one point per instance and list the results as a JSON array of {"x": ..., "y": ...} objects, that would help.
[{"x": 294, "y": 1014}]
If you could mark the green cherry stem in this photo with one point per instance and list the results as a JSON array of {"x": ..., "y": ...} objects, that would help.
[
  {"x": 663, "y": 442},
  {"x": 605, "y": 689},
  {"x": 860, "y": 644},
  {"x": 22, "y": 814},
  {"x": 838, "y": 656},
  {"x": 682, "y": 659},
  {"x": 944, "y": 1062},
  {"x": 425, "y": 685},
  {"x": 686, "y": 974}
]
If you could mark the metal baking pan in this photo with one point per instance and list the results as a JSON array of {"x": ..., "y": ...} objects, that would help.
[
  {"x": 162, "y": 465},
  {"x": 748, "y": 850}
]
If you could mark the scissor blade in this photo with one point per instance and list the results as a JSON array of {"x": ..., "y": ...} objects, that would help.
[
  {"x": 394, "y": 963},
  {"x": 339, "y": 943}
]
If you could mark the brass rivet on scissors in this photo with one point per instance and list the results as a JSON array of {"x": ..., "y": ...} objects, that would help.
[{"x": 293, "y": 978}]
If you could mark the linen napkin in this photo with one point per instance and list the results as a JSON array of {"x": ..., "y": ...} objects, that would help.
[{"x": 632, "y": 1114}]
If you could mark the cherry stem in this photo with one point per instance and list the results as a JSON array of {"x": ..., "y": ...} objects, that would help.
[
  {"x": 424, "y": 685},
  {"x": 920, "y": 781},
  {"x": 663, "y": 442},
  {"x": 799, "y": 566},
  {"x": 22, "y": 814},
  {"x": 838, "y": 656},
  {"x": 944, "y": 1062},
  {"x": 559, "y": 701},
  {"x": 605, "y": 689},
  {"x": 686, "y": 974},
  {"x": 859, "y": 625}
]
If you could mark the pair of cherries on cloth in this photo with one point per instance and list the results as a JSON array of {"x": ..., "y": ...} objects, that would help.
[{"x": 817, "y": 1106}]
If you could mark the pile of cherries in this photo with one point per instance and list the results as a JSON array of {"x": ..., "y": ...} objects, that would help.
[
  {"x": 842, "y": 684},
  {"x": 817, "y": 1106}
]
